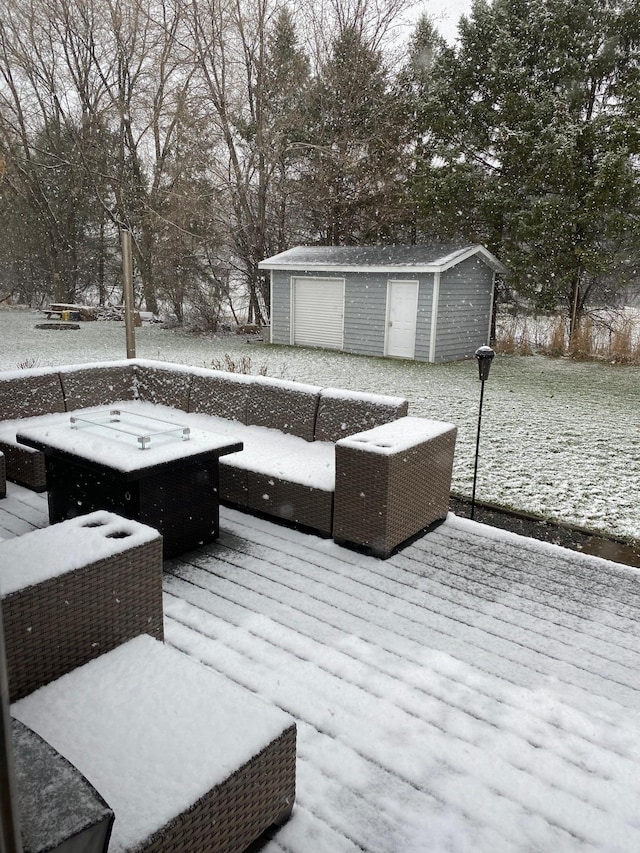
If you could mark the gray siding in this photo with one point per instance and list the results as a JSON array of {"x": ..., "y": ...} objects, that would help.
[
  {"x": 365, "y": 308},
  {"x": 464, "y": 310},
  {"x": 365, "y": 312},
  {"x": 281, "y": 307},
  {"x": 425, "y": 307}
]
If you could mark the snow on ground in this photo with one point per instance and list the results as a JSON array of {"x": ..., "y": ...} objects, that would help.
[
  {"x": 476, "y": 692},
  {"x": 559, "y": 439}
]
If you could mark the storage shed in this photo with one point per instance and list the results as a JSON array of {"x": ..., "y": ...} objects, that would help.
[{"x": 430, "y": 303}]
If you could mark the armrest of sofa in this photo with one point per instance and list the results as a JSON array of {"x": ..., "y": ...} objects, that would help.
[
  {"x": 59, "y": 808},
  {"x": 392, "y": 481}
]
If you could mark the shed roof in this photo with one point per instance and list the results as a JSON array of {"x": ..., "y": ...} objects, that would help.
[{"x": 422, "y": 258}]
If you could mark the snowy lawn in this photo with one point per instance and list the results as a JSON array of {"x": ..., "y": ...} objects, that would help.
[{"x": 559, "y": 439}]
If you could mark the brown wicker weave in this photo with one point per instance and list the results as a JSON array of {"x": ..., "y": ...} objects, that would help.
[
  {"x": 222, "y": 395},
  {"x": 166, "y": 386},
  {"x": 30, "y": 394},
  {"x": 3, "y": 476},
  {"x": 97, "y": 386},
  {"x": 233, "y": 484},
  {"x": 59, "y": 624},
  {"x": 287, "y": 406},
  {"x": 24, "y": 466},
  {"x": 340, "y": 415},
  {"x": 384, "y": 498},
  {"x": 292, "y": 502},
  {"x": 234, "y": 814}
]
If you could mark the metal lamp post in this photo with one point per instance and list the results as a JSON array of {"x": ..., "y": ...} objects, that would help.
[{"x": 484, "y": 356}]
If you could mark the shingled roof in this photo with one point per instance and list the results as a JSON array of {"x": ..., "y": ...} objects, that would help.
[{"x": 436, "y": 257}]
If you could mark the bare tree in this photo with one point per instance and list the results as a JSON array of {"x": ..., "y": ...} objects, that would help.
[
  {"x": 38, "y": 148},
  {"x": 373, "y": 21},
  {"x": 97, "y": 95},
  {"x": 233, "y": 45}
]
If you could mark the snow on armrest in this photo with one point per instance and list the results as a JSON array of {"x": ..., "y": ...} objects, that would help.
[{"x": 396, "y": 436}]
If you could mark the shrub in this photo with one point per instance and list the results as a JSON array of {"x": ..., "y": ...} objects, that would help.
[
  {"x": 26, "y": 363},
  {"x": 241, "y": 364}
]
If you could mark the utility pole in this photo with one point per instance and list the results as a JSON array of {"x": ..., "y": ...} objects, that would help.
[{"x": 127, "y": 291}]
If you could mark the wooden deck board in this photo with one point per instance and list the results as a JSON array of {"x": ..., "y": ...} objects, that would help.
[{"x": 477, "y": 691}]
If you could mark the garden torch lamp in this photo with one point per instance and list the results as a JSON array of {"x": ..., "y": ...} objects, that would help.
[{"x": 484, "y": 356}]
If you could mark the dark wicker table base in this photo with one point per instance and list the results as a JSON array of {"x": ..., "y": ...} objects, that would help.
[{"x": 181, "y": 502}]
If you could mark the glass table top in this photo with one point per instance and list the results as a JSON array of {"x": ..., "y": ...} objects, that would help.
[{"x": 142, "y": 429}]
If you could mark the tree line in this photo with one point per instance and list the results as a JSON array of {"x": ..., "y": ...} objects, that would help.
[{"x": 219, "y": 132}]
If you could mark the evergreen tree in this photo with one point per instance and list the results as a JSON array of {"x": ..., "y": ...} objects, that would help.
[
  {"x": 535, "y": 115},
  {"x": 287, "y": 77},
  {"x": 357, "y": 141}
]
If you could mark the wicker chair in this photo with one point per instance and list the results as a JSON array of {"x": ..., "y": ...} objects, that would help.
[{"x": 29, "y": 394}]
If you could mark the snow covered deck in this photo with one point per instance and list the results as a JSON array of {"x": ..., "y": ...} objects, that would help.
[{"x": 477, "y": 691}]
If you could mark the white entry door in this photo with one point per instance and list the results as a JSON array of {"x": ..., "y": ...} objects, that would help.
[{"x": 402, "y": 312}]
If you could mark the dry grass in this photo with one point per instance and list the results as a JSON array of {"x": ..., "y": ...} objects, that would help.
[
  {"x": 557, "y": 345},
  {"x": 241, "y": 364},
  {"x": 583, "y": 342},
  {"x": 512, "y": 340},
  {"x": 244, "y": 364},
  {"x": 614, "y": 340},
  {"x": 625, "y": 346},
  {"x": 28, "y": 362}
]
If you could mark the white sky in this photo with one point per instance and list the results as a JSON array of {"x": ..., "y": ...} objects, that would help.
[{"x": 446, "y": 14}]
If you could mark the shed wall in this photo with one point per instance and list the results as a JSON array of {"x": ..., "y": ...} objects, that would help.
[
  {"x": 425, "y": 312},
  {"x": 280, "y": 307},
  {"x": 464, "y": 310},
  {"x": 365, "y": 312},
  {"x": 365, "y": 298}
]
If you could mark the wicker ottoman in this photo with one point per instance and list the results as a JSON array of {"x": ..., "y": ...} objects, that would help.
[
  {"x": 75, "y": 590},
  {"x": 188, "y": 760},
  {"x": 392, "y": 482}
]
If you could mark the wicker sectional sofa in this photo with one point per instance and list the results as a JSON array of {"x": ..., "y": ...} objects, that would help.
[{"x": 309, "y": 453}]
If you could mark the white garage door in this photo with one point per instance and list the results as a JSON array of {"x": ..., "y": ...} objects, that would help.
[{"x": 318, "y": 312}]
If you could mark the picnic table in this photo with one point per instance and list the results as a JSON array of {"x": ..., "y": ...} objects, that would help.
[
  {"x": 72, "y": 311},
  {"x": 63, "y": 311}
]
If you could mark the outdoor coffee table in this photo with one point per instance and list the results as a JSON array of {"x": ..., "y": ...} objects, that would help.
[{"x": 136, "y": 465}]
